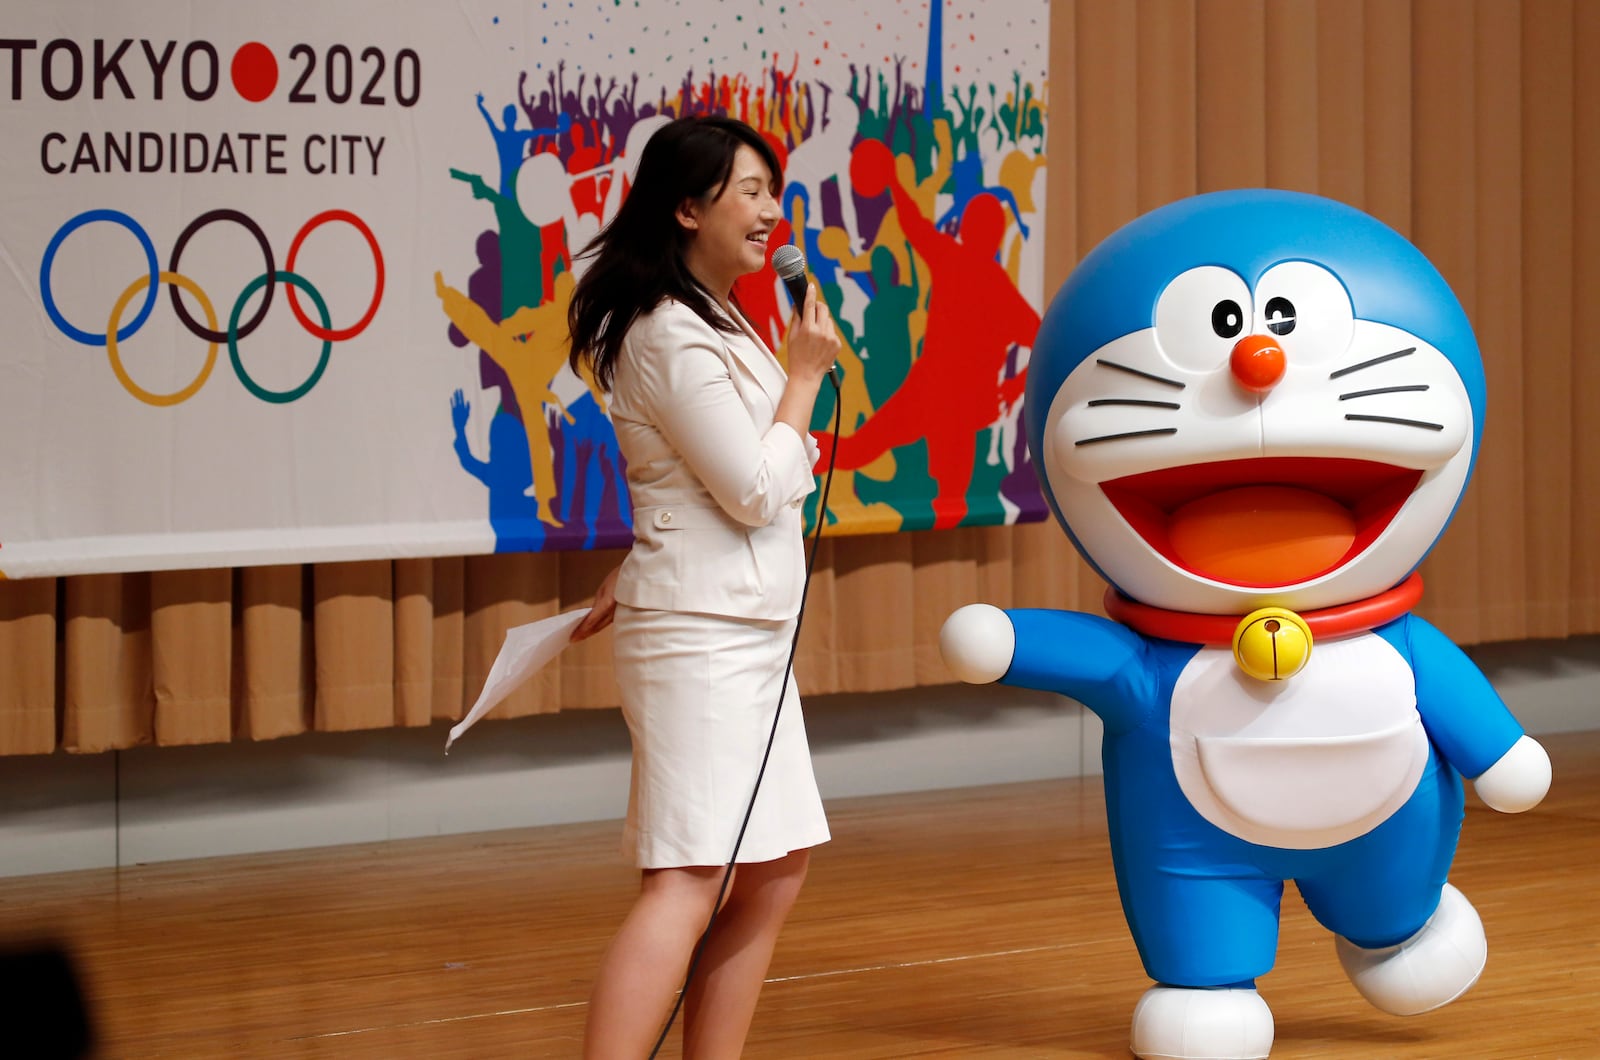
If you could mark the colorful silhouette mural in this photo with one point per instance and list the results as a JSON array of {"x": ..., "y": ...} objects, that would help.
[{"x": 915, "y": 203}]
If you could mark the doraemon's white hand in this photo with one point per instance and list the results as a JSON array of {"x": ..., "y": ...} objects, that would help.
[
  {"x": 1518, "y": 781},
  {"x": 977, "y": 642}
]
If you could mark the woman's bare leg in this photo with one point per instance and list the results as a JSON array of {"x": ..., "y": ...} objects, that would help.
[
  {"x": 644, "y": 965},
  {"x": 727, "y": 982}
]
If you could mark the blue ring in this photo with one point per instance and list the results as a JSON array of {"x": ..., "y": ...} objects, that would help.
[{"x": 90, "y": 338}]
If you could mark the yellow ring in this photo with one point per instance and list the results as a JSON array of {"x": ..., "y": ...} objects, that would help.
[{"x": 180, "y": 396}]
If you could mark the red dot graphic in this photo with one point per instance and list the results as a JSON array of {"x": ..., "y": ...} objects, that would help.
[{"x": 254, "y": 71}]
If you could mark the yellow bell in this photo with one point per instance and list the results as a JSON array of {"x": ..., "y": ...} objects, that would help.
[{"x": 1272, "y": 644}]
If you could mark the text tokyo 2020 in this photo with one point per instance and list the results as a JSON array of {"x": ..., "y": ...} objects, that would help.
[{"x": 65, "y": 70}]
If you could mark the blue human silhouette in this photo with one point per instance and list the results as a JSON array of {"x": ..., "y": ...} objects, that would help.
[
  {"x": 511, "y": 143},
  {"x": 592, "y": 467},
  {"x": 507, "y": 473}
]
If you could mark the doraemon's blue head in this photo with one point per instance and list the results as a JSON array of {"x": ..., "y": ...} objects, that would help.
[{"x": 1254, "y": 397}]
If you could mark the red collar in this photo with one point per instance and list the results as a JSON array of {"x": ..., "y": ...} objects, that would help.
[{"x": 1194, "y": 628}]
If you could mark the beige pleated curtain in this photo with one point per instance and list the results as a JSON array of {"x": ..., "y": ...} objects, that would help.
[{"x": 1472, "y": 127}]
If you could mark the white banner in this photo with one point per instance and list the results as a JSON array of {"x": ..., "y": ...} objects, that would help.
[{"x": 284, "y": 283}]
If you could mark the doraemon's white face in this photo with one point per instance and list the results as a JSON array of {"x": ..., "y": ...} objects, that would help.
[{"x": 1258, "y": 445}]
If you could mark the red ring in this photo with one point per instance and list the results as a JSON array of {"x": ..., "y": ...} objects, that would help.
[{"x": 328, "y": 334}]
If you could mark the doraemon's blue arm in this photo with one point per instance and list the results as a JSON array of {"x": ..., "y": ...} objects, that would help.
[
  {"x": 1100, "y": 663},
  {"x": 1467, "y": 721}
]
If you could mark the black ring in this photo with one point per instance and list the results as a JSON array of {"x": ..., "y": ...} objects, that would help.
[{"x": 254, "y": 229}]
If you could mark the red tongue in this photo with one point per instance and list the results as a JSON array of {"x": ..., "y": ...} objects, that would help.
[{"x": 1261, "y": 535}]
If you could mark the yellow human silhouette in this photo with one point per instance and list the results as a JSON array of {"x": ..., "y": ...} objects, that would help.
[
  {"x": 1017, "y": 171},
  {"x": 530, "y": 346}
]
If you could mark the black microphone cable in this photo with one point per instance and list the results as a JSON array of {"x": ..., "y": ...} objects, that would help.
[{"x": 794, "y": 643}]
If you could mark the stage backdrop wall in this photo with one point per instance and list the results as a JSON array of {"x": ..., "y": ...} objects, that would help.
[
  {"x": 288, "y": 282},
  {"x": 1472, "y": 127}
]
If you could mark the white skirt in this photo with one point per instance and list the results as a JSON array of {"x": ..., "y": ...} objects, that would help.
[{"x": 698, "y": 694}]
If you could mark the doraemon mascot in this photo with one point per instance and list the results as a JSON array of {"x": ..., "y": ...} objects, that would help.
[{"x": 1254, "y": 412}]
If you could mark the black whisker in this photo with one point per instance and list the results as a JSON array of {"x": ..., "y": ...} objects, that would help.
[
  {"x": 1376, "y": 360},
  {"x": 1396, "y": 420},
  {"x": 1138, "y": 402},
  {"x": 1128, "y": 434},
  {"x": 1163, "y": 380},
  {"x": 1415, "y": 388}
]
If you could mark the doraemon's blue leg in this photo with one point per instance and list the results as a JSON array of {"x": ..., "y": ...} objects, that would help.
[
  {"x": 1409, "y": 941},
  {"x": 1377, "y": 890},
  {"x": 1195, "y": 930},
  {"x": 1204, "y": 938}
]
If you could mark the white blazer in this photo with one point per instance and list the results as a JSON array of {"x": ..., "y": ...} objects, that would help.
[{"x": 716, "y": 484}]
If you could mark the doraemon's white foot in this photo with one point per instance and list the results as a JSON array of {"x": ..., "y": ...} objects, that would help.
[
  {"x": 1431, "y": 968},
  {"x": 1178, "y": 1023}
]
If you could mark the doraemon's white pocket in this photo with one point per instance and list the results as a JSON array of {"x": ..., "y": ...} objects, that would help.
[{"x": 1330, "y": 789}]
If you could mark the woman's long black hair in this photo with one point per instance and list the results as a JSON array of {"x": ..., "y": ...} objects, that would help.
[{"x": 639, "y": 256}]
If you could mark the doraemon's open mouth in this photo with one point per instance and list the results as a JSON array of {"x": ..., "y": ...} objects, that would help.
[{"x": 1264, "y": 522}]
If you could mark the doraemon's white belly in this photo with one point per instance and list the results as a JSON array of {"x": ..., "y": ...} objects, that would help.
[{"x": 1310, "y": 762}]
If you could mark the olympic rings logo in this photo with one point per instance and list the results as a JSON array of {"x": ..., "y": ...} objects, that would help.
[{"x": 117, "y": 332}]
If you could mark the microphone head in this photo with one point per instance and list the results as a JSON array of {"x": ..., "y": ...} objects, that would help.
[{"x": 788, "y": 262}]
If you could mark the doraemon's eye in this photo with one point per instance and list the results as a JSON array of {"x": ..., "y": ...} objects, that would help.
[
  {"x": 1280, "y": 316},
  {"x": 1200, "y": 315},
  {"x": 1308, "y": 308},
  {"x": 1227, "y": 319}
]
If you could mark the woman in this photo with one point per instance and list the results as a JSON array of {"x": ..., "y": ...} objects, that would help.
[{"x": 719, "y": 461}]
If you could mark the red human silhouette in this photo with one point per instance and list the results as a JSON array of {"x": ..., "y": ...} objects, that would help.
[
  {"x": 757, "y": 292},
  {"x": 587, "y": 192},
  {"x": 975, "y": 315}
]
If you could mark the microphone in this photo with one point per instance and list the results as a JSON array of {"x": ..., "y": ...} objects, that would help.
[
  {"x": 789, "y": 262},
  {"x": 790, "y": 265}
]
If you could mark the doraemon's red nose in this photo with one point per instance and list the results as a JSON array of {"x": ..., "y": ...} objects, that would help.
[{"x": 1257, "y": 363}]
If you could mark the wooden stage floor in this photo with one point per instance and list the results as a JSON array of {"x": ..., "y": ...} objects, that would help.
[{"x": 972, "y": 923}]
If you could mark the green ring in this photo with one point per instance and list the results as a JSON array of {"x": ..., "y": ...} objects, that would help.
[{"x": 278, "y": 397}]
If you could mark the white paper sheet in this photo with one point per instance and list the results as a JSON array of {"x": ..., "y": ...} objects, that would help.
[{"x": 525, "y": 650}]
